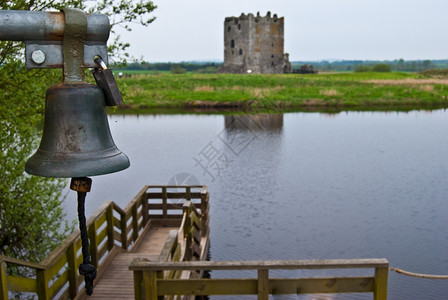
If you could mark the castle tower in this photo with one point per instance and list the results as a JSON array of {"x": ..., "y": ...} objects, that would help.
[{"x": 254, "y": 45}]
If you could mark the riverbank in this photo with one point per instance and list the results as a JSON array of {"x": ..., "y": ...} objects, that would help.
[{"x": 283, "y": 92}]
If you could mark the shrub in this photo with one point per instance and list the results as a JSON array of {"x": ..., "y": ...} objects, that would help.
[
  {"x": 360, "y": 69},
  {"x": 176, "y": 69},
  {"x": 381, "y": 68}
]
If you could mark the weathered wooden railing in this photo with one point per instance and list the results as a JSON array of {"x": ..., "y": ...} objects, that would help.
[
  {"x": 189, "y": 243},
  {"x": 156, "y": 283},
  {"x": 111, "y": 230}
]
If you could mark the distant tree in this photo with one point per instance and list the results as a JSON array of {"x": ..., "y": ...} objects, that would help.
[
  {"x": 177, "y": 69},
  {"x": 207, "y": 70},
  {"x": 360, "y": 69},
  {"x": 427, "y": 64},
  {"x": 381, "y": 68},
  {"x": 400, "y": 65}
]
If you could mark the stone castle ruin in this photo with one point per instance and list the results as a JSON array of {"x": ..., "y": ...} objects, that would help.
[{"x": 254, "y": 45}]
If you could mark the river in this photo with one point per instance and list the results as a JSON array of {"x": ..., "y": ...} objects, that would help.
[{"x": 302, "y": 185}]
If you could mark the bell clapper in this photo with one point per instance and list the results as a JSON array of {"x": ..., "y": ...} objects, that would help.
[{"x": 82, "y": 186}]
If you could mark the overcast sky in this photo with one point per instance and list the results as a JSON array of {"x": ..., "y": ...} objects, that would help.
[{"x": 314, "y": 29}]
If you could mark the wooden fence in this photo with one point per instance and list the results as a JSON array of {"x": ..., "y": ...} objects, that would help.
[
  {"x": 186, "y": 244},
  {"x": 157, "y": 278},
  {"x": 111, "y": 230}
]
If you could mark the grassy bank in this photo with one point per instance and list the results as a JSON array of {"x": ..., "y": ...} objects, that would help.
[{"x": 351, "y": 90}]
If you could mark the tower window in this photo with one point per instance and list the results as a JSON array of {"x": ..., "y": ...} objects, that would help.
[
  {"x": 229, "y": 28},
  {"x": 241, "y": 51},
  {"x": 239, "y": 26},
  {"x": 272, "y": 56},
  {"x": 232, "y": 44}
]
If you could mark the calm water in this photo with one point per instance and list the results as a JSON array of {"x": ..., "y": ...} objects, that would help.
[{"x": 303, "y": 185}]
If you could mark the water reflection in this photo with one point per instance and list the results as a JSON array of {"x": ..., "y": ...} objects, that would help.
[{"x": 258, "y": 122}]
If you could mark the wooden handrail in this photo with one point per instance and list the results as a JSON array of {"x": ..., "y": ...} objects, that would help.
[
  {"x": 262, "y": 285},
  {"x": 63, "y": 261},
  {"x": 262, "y": 264}
]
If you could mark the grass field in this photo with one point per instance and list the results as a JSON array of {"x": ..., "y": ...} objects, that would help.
[{"x": 342, "y": 90}]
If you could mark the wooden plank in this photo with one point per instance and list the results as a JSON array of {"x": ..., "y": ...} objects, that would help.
[
  {"x": 168, "y": 206},
  {"x": 101, "y": 235},
  {"x": 134, "y": 222},
  {"x": 268, "y": 264},
  {"x": 110, "y": 227},
  {"x": 142, "y": 236},
  {"x": 58, "y": 284},
  {"x": 19, "y": 262},
  {"x": 117, "y": 223},
  {"x": 321, "y": 285},
  {"x": 164, "y": 202},
  {"x": 172, "y": 217},
  {"x": 169, "y": 246},
  {"x": 150, "y": 285},
  {"x": 57, "y": 266},
  {"x": 263, "y": 284},
  {"x": 101, "y": 219},
  {"x": 117, "y": 236},
  {"x": 107, "y": 261},
  {"x": 20, "y": 284},
  {"x": 138, "y": 292},
  {"x": 42, "y": 285},
  {"x": 380, "y": 286},
  {"x": 73, "y": 271},
  {"x": 275, "y": 286},
  {"x": 124, "y": 233},
  {"x": 3, "y": 280},
  {"x": 102, "y": 251},
  {"x": 174, "y": 186},
  {"x": 174, "y": 195},
  {"x": 167, "y": 223},
  {"x": 93, "y": 244},
  {"x": 207, "y": 287},
  {"x": 145, "y": 211}
]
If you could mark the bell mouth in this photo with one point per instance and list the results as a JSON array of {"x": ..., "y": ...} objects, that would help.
[
  {"x": 76, "y": 139},
  {"x": 47, "y": 164}
]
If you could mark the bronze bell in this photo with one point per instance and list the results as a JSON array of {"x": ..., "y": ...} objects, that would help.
[{"x": 76, "y": 139}]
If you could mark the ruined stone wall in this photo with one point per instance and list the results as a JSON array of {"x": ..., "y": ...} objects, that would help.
[{"x": 254, "y": 44}]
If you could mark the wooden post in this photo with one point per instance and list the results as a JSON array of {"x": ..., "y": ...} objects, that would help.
[
  {"x": 93, "y": 245},
  {"x": 380, "y": 285},
  {"x": 3, "y": 287},
  {"x": 164, "y": 203},
  {"x": 110, "y": 226},
  {"x": 42, "y": 285},
  {"x": 145, "y": 209},
  {"x": 124, "y": 233},
  {"x": 187, "y": 230},
  {"x": 150, "y": 285},
  {"x": 72, "y": 271},
  {"x": 263, "y": 284},
  {"x": 134, "y": 222},
  {"x": 203, "y": 214},
  {"x": 138, "y": 277},
  {"x": 188, "y": 193}
]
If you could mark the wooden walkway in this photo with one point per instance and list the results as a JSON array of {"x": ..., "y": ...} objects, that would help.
[
  {"x": 161, "y": 223},
  {"x": 117, "y": 281}
]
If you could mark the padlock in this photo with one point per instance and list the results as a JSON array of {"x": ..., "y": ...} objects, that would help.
[{"x": 106, "y": 81}]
